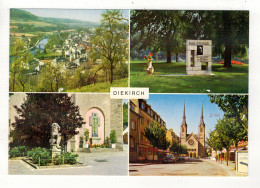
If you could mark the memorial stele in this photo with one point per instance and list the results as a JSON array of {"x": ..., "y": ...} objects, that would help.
[{"x": 198, "y": 52}]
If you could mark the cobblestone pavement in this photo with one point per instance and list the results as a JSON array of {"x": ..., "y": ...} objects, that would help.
[
  {"x": 197, "y": 167},
  {"x": 111, "y": 163}
]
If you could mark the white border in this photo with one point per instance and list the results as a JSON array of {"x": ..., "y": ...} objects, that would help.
[{"x": 106, "y": 181}]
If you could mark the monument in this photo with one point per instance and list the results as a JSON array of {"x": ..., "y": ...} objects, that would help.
[
  {"x": 95, "y": 123},
  {"x": 198, "y": 52},
  {"x": 55, "y": 139}
]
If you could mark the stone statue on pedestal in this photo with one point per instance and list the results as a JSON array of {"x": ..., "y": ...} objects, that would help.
[{"x": 55, "y": 139}]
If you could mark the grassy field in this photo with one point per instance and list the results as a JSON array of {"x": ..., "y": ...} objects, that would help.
[
  {"x": 102, "y": 87},
  {"x": 232, "y": 80}
]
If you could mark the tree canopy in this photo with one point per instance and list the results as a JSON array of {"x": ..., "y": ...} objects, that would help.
[
  {"x": 178, "y": 148},
  {"x": 156, "y": 134},
  {"x": 233, "y": 106},
  {"x": 110, "y": 42}
]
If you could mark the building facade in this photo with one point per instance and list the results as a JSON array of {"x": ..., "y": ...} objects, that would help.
[
  {"x": 195, "y": 142},
  {"x": 141, "y": 115}
]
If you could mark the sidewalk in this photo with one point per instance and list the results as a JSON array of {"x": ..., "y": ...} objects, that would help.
[{"x": 230, "y": 168}]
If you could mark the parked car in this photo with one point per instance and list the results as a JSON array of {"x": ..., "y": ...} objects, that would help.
[
  {"x": 169, "y": 159},
  {"x": 181, "y": 158}
]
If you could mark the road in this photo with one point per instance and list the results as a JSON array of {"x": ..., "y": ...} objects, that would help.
[
  {"x": 110, "y": 163},
  {"x": 190, "y": 167}
]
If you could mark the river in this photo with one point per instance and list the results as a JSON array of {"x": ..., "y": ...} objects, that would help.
[{"x": 40, "y": 45}]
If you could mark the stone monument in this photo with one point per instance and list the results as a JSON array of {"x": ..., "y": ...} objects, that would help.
[
  {"x": 197, "y": 52},
  {"x": 55, "y": 139},
  {"x": 95, "y": 123}
]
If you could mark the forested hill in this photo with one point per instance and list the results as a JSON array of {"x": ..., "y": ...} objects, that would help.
[
  {"x": 25, "y": 17},
  {"x": 22, "y": 15}
]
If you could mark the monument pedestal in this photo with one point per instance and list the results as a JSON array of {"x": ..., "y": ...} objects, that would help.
[
  {"x": 55, "y": 151},
  {"x": 95, "y": 140}
]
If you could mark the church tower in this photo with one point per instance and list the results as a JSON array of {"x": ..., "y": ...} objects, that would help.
[
  {"x": 201, "y": 135},
  {"x": 184, "y": 127}
]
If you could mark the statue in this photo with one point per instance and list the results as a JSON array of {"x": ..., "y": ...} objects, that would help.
[
  {"x": 95, "y": 123},
  {"x": 150, "y": 69},
  {"x": 55, "y": 138}
]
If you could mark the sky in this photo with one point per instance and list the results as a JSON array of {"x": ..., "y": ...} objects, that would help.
[
  {"x": 78, "y": 14},
  {"x": 170, "y": 108}
]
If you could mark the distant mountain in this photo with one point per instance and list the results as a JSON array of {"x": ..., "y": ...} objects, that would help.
[
  {"x": 18, "y": 15},
  {"x": 69, "y": 21}
]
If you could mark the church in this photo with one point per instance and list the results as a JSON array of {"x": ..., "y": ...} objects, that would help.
[{"x": 195, "y": 142}]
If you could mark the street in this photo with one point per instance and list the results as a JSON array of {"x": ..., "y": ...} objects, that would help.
[
  {"x": 190, "y": 167},
  {"x": 110, "y": 163}
]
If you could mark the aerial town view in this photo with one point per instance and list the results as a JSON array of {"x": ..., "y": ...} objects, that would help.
[{"x": 49, "y": 53}]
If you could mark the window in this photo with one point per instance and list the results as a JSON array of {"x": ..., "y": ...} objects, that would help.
[
  {"x": 142, "y": 106},
  {"x": 148, "y": 111},
  {"x": 132, "y": 107},
  {"x": 133, "y": 124},
  {"x": 148, "y": 122},
  {"x": 142, "y": 121},
  {"x": 81, "y": 142},
  {"x": 132, "y": 143},
  {"x": 182, "y": 129}
]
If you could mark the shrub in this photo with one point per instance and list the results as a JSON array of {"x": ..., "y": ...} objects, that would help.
[
  {"x": 113, "y": 136},
  {"x": 42, "y": 153},
  {"x": 69, "y": 158},
  {"x": 107, "y": 141},
  {"x": 86, "y": 135},
  {"x": 18, "y": 151}
]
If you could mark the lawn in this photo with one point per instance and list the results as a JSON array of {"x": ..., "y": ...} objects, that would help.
[
  {"x": 225, "y": 80},
  {"x": 101, "y": 87}
]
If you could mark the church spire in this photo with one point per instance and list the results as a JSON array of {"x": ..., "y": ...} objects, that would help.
[
  {"x": 184, "y": 116},
  {"x": 201, "y": 117}
]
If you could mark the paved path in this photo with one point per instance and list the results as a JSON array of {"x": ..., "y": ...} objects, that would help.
[
  {"x": 111, "y": 163},
  {"x": 204, "y": 167}
]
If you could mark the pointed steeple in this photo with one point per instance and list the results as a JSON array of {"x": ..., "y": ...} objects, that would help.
[
  {"x": 201, "y": 117},
  {"x": 184, "y": 116}
]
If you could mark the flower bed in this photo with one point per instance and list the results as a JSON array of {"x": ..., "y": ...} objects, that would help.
[
  {"x": 233, "y": 62},
  {"x": 98, "y": 146}
]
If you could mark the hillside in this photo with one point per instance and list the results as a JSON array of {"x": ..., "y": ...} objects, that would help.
[
  {"x": 22, "y": 15},
  {"x": 18, "y": 16}
]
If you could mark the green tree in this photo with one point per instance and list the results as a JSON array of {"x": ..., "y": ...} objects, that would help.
[
  {"x": 53, "y": 76},
  {"x": 155, "y": 29},
  {"x": 178, "y": 148},
  {"x": 86, "y": 135},
  {"x": 227, "y": 132},
  {"x": 37, "y": 114},
  {"x": 228, "y": 30},
  {"x": 113, "y": 136},
  {"x": 110, "y": 40},
  {"x": 156, "y": 134},
  {"x": 233, "y": 106},
  {"x": 20, "y": 65}
]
